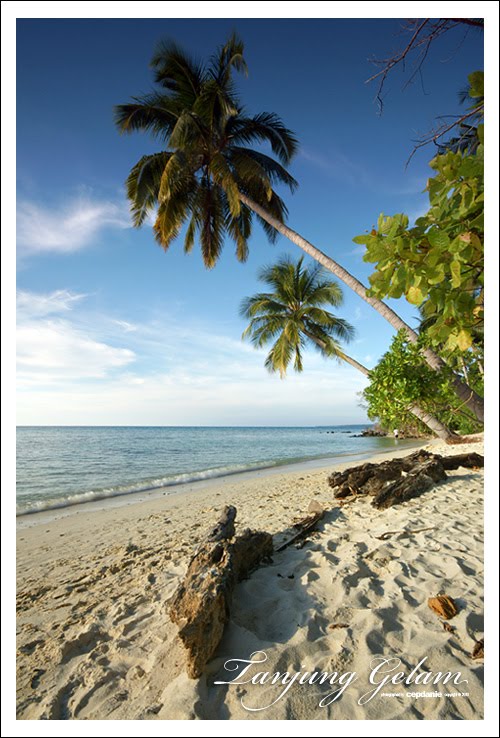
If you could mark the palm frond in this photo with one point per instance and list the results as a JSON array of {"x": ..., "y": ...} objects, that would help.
[
  {"x": 223, "y": 176},
  {"x": 263, "y": 330},
  {"x": 280, "y": 356},
  {"x": 215, "y": 104},
  {"x": 142, "y": 185},
  {"x": 326, "y": 292},
  {"x": 254, "y": 164},
  {"x": 177, "y": 71},
  {"x": 228, "y": 56},
  {"x": 190, "y": 235},
  {"x": 297, "y": 364},
  {"x": 211, "y": 217},
  {"x": 170, "y": 217},
  {"x": 188, "y": 134},
  {"x": 331, "y": 326},
  {"x": 263, "y": 303},
  {"x": 154, "y": 113},
  {"x": 265, "y": 128},
  {"x": 177, "y": 177}
]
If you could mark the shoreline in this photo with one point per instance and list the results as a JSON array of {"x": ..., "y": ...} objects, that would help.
[
  {"x": 23, "y": 519},
  {"x": 95, "y": 640}
]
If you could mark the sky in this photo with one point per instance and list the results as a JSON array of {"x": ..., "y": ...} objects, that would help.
[{"x": 113, "y": 331}]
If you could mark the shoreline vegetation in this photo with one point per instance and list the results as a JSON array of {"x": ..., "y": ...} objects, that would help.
[{"x": 93, "y": 588}]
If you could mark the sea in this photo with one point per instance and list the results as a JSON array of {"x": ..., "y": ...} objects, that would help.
[{"x": 62, "y": 466}]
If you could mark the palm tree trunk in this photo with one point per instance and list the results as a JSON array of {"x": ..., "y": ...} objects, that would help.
[
  {"x": 429, "y": 420},
  {"x": 471, "y": 399}
]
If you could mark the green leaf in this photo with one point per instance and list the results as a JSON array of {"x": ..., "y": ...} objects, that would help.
[
  {"x": 439, "y": 239},
  {"x": 480, "y": 132},
  {"x": 400, "y": 276},
  {"x": 363, "y": 239},
  {"x": 435, "y": 189},
  {"x": 436, "y": 274},
  {"x": 433, "y": 257},
  {"x": 464, "y": 340},
  {"x": 478, "y": 222},
  {"x": 384, "y": 223},
  {"x": 476, "y": 81},
  {"x": 471, "y": 166},
  {"x": 456, "y": 273},
  {"x": 415, "y": 296}
]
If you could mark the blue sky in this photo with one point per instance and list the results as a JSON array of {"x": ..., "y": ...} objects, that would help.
[{"x": 111, "y": 330}]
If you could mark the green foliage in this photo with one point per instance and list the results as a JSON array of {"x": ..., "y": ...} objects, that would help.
[
  {"x": 476, "y": 85},
  {"x": 402, "y": 378},
  {"x": 293, "y": 314},
  {"x": 439, "y": 263},
  {"x": 468, "y": 131}
]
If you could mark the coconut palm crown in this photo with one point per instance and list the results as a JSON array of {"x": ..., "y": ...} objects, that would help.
[
  {"x": 293, "y": 314},
  {"x": 207, "y": 163}
]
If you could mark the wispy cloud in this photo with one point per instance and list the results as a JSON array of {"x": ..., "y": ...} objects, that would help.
[
  {"x": 54, "y": 351},
  {"x": 51, "y": 349},
  {"x": 77, "y": 366},
  {"x": 67, "y": 228},
  {"x": 125, "y": 325},
  {"x": 31, "y": 304},
  {"x": 336, "y": 165}
]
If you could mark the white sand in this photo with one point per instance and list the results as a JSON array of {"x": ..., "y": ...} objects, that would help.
[{"x": 95, "y": 640}]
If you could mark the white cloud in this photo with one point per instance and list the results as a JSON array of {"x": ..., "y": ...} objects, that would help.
[
  {"x": 326, "y": 396},
  {"x": 53, "y": 349},
  {"x": 30, "y": 304},
  {"x": 164, "y": 372},
  {"x": 68, "y": 228},
  {"x": 125, "y": 325}
]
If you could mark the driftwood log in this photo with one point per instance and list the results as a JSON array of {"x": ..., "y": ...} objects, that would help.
[
  {"x": 304, "y": 526},
  {"x": 201, "y": 604},
  {"x": 398, "y": 480}
]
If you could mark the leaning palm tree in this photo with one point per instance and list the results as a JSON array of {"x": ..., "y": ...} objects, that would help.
[
  {"x": 208, "y": 178},
  {"x": 294, "y": 315}
]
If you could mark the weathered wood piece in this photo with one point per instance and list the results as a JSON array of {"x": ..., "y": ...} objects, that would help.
[
  {"x": 250, "y": 549},
  {"x": 201, "y": 604},
  {"x": 468, "y": 461},
  {"x": 305, "y": 525},
  {"x": 444, "y": 606},
  {"x": 412, "y": 485},
  {"x": 397, "y": 480},
  {"x": 224, "y": 528}
]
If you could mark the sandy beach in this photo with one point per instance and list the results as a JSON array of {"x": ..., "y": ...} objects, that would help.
[{"x": 95, "y": 640}]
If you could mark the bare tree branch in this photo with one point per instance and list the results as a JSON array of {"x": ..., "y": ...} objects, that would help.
[
  {"x": 476, "y": 22},
  {"x": 423, "y": 33},
  {"x": 434, "y": 135}
]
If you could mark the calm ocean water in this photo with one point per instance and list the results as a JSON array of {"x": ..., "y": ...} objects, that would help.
[{"x": 60, "y": 466}]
